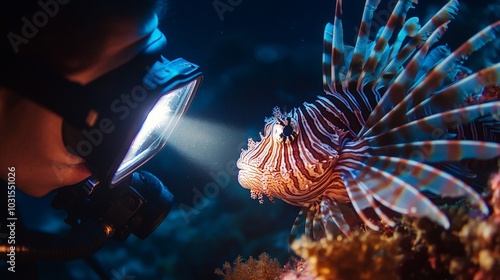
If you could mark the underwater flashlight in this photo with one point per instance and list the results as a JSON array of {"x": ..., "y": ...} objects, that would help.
[
  {"x": 156, "y": 129},
  {"x": 117, "y": 122}
]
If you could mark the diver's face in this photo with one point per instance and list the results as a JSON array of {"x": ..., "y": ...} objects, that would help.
[
  {"x": 31, "y": 141},
  {"x": 31, "y": 136}
]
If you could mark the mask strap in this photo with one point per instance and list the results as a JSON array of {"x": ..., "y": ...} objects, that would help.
[{"x": 47, "y": 88}]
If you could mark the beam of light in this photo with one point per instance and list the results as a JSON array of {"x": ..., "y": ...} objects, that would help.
[{"x": 208, "y": 145}]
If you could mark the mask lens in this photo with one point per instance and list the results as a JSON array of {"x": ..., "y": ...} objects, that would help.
[{"x": 156, "y": 129}]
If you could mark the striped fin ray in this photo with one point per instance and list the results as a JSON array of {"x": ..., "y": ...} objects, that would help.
[
  {"x": 427, "y": 178},
  {"x": 327, "y": 58},
  {"x": 375, "y": 206},
  {"x": 334, "y": 60},
  {"x": 398, "y": 195},
  {"x": 435, "y": 126},
  {"x": 333, "y": 218},
  {"x": 397, "y": 91},
  {"x": 456, "y": 94},
  {"x": 359, "y": 52},
  {"x": 434, "y": 57},
  {"x": 445, "y": 14},
  {"x": 410, "y": 29},
  {"x": 318, "y": 229},
  {"x": 337, "y": 50},
  {"x": 433, "y": 80},
  {"x": 361, "y": 200},
  {"x": 309, "y": 219},
  {"x": 299, "y": 223},
  {"x": 396, "y": 20},
  {"x": 440, "y": 150}
]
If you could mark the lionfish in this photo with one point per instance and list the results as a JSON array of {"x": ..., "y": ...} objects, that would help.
[{"x": 395, "y": 121}]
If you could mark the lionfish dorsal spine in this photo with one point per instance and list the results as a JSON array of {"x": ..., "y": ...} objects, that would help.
[
  {"x": 358, "y": 58},
  {"x": 360, "y": 47},
  {"x": 337, "y": 55},
  {"x": 396, "y": 20},
  {"x": 433, "y": 81},
  {"x": 390, "y": 71},
  {"x": 398, "y": 89},
  {"x": 445, "y": 14},
  {"x": 410, "y": 29},
  {"x": 456, "y": 94}
]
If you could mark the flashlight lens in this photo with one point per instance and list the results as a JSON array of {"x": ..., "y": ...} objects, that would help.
[{"x": 156, "y": 129}]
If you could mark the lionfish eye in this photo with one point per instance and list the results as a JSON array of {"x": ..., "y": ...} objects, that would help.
[{"x": 285, "y": 130}]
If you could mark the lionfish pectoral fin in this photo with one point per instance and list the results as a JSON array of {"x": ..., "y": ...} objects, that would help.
[
  {"x": 333, "y": 219},
  {"x": 440, "y": 150},
  {"x": 318, "y": 220},
  {"x": 410, "y": 29},
  {"x": 434, "y": 26},
  {"x": 435, "y": 126},
  {"x": 299, "y": 224},
  {"x": 396, "y": 194},
  {"x": 428, "y": 178},
  {"x": 434, "y": 79},
  {"x": 361, "y": 199}
]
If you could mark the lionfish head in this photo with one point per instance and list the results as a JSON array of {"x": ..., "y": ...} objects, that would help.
[
  {"x": 257, "y": 173},
  {"x": 283, "y": 163}
]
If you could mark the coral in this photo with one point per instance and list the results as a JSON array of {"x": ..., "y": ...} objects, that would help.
[
  {"x": 481, "y": 238},
  {"x": 488, "y": 93},
  {"x": 297, "y": 269},
  {"x": 482, "y": 244},
  {"x": 415, "y": 248},
  {"x": 363, "y": 256},
  {"x": 264, "y": 268},
  {"x": 428, "y": 249},
  {"x": 495, "y": 193}
]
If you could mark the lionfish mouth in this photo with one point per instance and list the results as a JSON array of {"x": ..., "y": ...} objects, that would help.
[{"x": 248, "y": 176}]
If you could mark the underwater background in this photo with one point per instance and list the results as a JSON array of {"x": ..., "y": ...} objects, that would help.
[{"x": 255, "y": 55}]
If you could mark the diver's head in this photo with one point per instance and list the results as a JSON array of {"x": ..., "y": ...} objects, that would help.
[{"x": 59, "y": 45}]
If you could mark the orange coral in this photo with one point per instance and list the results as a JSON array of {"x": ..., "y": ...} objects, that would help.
[
  {"x": 264, "y": 268},
  {"x": 362, "y": 256}
]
